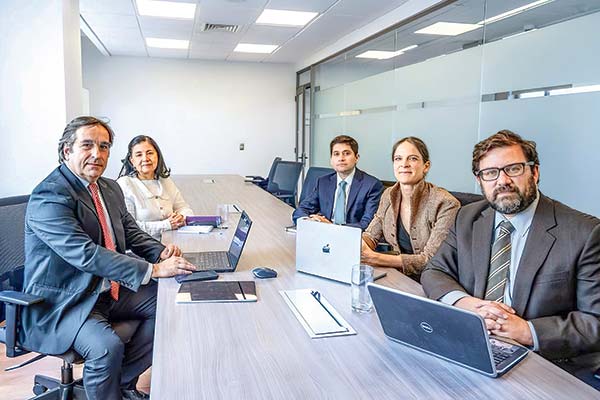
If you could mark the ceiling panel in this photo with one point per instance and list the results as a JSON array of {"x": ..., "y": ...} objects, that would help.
[
  {"x": 124, "y": 7},
  {"x": 261, "y": 34},
  {"x": 304, "y": 5},
  {"x": 167, "y": 53},
  {"x": 166, "y": 28}
]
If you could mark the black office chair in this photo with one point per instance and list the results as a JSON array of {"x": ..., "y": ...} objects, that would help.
[
  {"x": 12, "y": 259},
  {"x": 284, "y": 184},
  {"x": 465, "y": 198},
  {"x": 310, "y": 182},
  {"x": 259, "y": 180}
]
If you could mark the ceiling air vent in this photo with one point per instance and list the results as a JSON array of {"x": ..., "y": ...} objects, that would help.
[{"x": 220, "y": 28}]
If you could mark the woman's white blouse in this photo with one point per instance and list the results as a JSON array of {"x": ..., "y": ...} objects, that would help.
[{"x": 151, "y": 202}]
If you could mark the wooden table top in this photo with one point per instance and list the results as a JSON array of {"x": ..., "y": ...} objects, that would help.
[{"x": 260, "y": 351}]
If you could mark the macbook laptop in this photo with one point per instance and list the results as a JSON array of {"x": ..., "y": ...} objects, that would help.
[
  {"x": 223, "y": 261},
  {"x": 328, "y": 250},
  {"x": 444, "y": 331}
]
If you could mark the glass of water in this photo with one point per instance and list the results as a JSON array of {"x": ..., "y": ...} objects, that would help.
[
  {"x": 223, "y": 212},
  {"x": 361, "y": 300}
]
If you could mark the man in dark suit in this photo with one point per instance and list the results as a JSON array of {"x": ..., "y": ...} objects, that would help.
[
  {"x": 76, "y": 232},
  {"x": 529, "y": 265},
  {"x": 348, "y": 196}
]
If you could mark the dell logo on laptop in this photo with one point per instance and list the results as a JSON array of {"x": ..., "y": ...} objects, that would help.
[
  {"x": 426, "y": 327},
  {"x": 326, "y": 248}
]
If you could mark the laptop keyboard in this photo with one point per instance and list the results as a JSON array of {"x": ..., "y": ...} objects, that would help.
[
  {"x": 502, "y": 351},
  {"x": 212, "y": 260}
]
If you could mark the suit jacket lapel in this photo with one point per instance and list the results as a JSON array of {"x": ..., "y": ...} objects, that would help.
[
  {"x": 83, "y": 194},
  {"x": 481, "y": 250},
  {"x": 354, "y": 188},
  {"x": 328, "y": 199},
  {"x": 538, "y": 245}
]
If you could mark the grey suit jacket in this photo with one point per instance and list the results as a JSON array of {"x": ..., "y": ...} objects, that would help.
[
  {"x": 557, "y": 286},
  {"x": 65, "y": 261}
]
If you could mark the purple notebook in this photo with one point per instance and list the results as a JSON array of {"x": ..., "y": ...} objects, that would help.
[{"x": 194, "y": 220}]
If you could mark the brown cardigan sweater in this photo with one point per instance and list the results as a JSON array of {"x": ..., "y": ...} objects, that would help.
[{"x": 433, "y": 211}]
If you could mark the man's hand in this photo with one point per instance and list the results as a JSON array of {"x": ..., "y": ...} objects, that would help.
[
  {"x": 500, "y": 319},
  {"x": 172, "y": 266},
  {"x": 169, "y": 251},
  {"x": 319, "y": 218},
  {"x": 506, "y": 324},
  {"x": 176, "y": 220}
]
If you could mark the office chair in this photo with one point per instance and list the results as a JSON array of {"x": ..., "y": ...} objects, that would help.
[
  {"x": 259, "y": 180},
  {"x": 466, "y": 198},
  {"x": 284, "y": 184},
  {"x": 12, "y": 259},
  {"x": 310, "y": 182}
]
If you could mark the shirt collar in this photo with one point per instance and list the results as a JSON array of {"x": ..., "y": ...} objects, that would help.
[
  {"x": 521, "y": 221},
  {"x": 348, "y": 179}
]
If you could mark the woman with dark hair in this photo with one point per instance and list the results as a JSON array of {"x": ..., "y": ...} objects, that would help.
[
  {"x": 150, "y": 195},
  {"x": 414, "y": 216}
]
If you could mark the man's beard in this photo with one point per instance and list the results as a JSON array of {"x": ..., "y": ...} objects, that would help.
[{"x": 514, "y": 203}]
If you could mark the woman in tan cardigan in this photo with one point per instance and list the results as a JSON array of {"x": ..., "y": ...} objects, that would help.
[{"x": 414, "y": 216}]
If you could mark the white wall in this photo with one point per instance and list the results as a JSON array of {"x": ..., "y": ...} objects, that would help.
[
  {"x": 40, "y": 68},
  {"x": 198, "y": 111}
]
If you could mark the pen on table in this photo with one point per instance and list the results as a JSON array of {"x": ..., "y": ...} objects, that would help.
[{"x": 317, "y": 297}]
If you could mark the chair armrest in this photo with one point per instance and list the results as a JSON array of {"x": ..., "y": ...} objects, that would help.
[
  {"x": 19, "y": 298},
  {"x": 13, "y": 301}
]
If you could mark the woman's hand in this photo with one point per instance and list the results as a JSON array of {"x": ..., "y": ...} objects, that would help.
[
  {"x": 176, "y": 220},
  {"x": 367, "y": 255}
]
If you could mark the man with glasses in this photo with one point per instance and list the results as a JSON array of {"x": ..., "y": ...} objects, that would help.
[
  {"x": 77, "y": 229},
  {"x": 529, "y": 265}
]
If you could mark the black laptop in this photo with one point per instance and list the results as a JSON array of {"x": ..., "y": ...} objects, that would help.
[
  {"x": 224, "y": 261},
  {"x": 444, "y": 331}
]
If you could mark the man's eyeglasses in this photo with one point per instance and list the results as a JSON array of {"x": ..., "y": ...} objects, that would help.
[{"x": 512, "y": 170}]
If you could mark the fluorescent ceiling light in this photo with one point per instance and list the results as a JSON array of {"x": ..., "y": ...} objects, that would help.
[
  {"x": 448, "y": 28},
  {"x": 574, "y": 90},
  {"x": 285, "y": 17},
  {"x": 255, "y": 48},
  {"x": 530, "y": 95},
  {"x": 384, "y": 55},
  {"x": 168, "y": 43},
  {"x": 166, "y": 9},
  {"x": 513, "y": 12}
]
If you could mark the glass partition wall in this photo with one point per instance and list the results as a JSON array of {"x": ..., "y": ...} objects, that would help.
[{"x": 462, "y": 72}]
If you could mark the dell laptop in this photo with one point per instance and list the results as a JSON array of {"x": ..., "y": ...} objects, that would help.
[
  {"x": 223, "y": 261},
  {"x": 327, "y": 250},
  {"x": 444, "y": 331}
]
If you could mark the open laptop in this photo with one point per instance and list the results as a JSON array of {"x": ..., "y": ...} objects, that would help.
[
  {"x": 444, "y": 331},
  {"x": 328, "y": 250},
  {"x": 224, "y": 261}
]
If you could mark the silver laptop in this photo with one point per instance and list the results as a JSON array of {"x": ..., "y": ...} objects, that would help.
[
  {"x": 224, "y": 261},
  {"x": 327, "y": 250},
  {"x": 444, "y": 331}
]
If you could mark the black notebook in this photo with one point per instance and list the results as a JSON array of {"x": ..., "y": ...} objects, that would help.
[{"x": 216, "y": 292}]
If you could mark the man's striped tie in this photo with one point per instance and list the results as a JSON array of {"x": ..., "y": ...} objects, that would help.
[{"x": 499, "y": 263}]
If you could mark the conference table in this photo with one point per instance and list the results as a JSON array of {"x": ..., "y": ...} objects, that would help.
[{"x": 260, "y": 350}]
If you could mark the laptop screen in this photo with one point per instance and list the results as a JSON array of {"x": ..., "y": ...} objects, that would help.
[{"x": 239, "y": 239}]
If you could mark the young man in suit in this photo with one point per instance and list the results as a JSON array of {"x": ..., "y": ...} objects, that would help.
[
  {"x": 77, "y": 229},
  {"x": 348, "y": 196},
  {"x": 529, "y": 265}
]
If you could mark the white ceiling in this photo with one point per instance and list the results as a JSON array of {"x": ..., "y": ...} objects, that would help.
[{"x": 121, "y": 31}]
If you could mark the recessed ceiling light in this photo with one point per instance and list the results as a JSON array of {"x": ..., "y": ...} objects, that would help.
[
  {"x": 448, "y": 28},
  {"x": 515, "y": 11},
  {"x": 384, "y": 55},
  {"x": 166, "y": 9},
  {"x": 168, "y": 43},
  {"x": 285, "y": 17},
  {"x": 255, "y": 48}
]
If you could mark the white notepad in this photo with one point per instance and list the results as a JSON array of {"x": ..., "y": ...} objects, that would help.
[
  {"x": 316, "y": 314},
  {"x": 195, "y": 229}
]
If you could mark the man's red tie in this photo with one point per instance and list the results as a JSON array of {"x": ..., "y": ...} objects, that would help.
[{"x": 108, "y": 240}]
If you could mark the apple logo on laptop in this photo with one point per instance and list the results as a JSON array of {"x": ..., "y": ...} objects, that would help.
[{"x": 326, "y": 248}]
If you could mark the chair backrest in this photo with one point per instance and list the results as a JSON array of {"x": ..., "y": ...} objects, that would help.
[
  {"x": 12, "y": 251},
  {"x": 285, "y": 178},
  {"x": 466, "y": 198},
  {"x": 310, "y": 182},
  {"x": 272, "y": 170}
]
